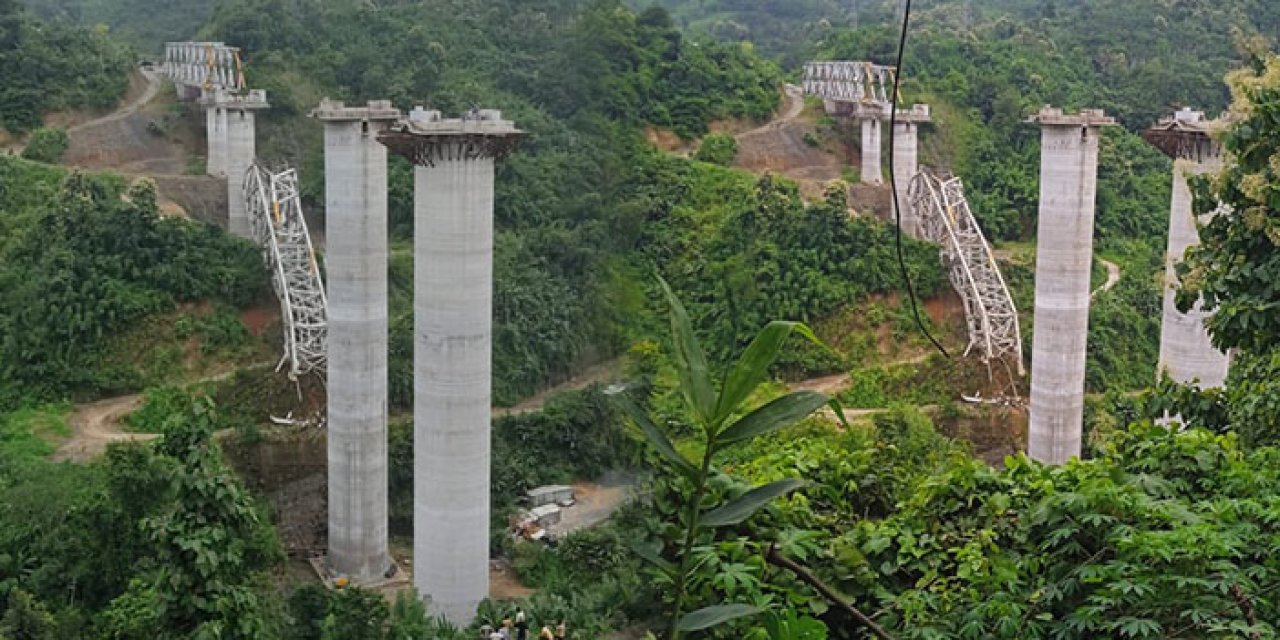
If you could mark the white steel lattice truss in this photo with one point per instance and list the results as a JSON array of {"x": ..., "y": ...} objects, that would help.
[
  {"x": 276, "y": 215},
  {"x": 989, "y": 311},
  {"x": 204, "y": 65},
  {"x": 844, "y": 81}
]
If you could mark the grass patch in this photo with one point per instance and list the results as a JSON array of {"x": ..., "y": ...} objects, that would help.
[
  {"x": 936, "y": 381},
  {"x": 33, "y": 432}
]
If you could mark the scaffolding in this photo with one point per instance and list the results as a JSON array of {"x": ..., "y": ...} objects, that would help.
[
  {"x": 990, "y": 314},
  {"x": 275, "y": 213}
]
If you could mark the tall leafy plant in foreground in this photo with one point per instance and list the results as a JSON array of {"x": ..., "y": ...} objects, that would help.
[{"x": 721, "y": 420}]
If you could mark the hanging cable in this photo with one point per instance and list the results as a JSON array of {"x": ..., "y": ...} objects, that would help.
[{"x": 893, "y": 184}]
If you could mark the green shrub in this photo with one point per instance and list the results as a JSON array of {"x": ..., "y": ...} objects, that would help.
[
  {"x": 47, "y": 144},
  {"x": 30, "y": 433},
  {"x": 577, "y": 435},
  {"x": 83, "y": 265},
  {"x": 55, "y": 65},
  {"x": 593, "y": 552},
  {"x": 159, "y": 405},
  {"x": 717, "y": 148}
]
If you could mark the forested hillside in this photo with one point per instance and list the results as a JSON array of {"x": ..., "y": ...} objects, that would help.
[
  {"x": 574, "y": 254},
  {"x": 785, "y": 523},
  {"x": 53, "y": 66},
  {"x": 86, "y": 265},
  {"x": 144, "y": 24}
]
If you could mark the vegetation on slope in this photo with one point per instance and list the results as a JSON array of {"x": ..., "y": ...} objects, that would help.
[
  {"x": 84, "y": 262},
  {"x": 140, "y": 544},
  {"x": 53, "y": 66},
  {"x": 1165, "y": 532},
  {"x": 575, "y": 205},
  {"x": 144, "y": 24}
]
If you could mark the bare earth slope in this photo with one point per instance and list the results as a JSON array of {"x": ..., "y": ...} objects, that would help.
[
  {"x": 129, "y": 139},
  {"x": 779, "y": 147}
]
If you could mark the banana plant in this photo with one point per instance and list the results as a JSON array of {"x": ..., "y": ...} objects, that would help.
[{"x": 721, "y": 421}]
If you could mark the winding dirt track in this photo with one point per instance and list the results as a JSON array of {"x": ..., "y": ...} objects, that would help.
[
  {"x": 783, "y": 146},
  {"x": 1113, "y": 277},
  {"x": 97, "y": 424},
  {"x": 125, "y": 110},
  {"x": 94, "y": 425},
  {"x": 602, "y": 372}
]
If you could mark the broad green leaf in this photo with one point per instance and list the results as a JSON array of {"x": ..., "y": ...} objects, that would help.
[
  {"x": 651, "y": 556},
  {"x": 707, "y": 617},
  {"x": 838, "y": 409},
  {"x": 691, "y": 362},
  {"x": 778, "y": 413},
  {"x": 743, "y": 506},
  {"x": 656, "y": 437},
  {"x": 751, "y": 367}
]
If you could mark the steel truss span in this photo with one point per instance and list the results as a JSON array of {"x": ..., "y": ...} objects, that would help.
[
  {"x": 275, "y": 214},
  {"x": 204, "y": 65},
  {"x": 992, "y": 319},
  {"x": 845, "y": 81}
]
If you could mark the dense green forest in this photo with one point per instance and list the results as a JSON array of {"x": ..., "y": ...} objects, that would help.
[
  {"x": 144, "y": 24},
  {"x": 1160, "y": 532},
  {"x": 578, "y": 206},
  {"x": 53, "y": 66},
  {"x": 87, "y": 262}
]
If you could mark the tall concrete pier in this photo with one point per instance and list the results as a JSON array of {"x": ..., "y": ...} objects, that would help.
[
  {"x": 871, "y": 173},
  {"x": 216, "y": 135},
  {"x": 906, "y": 161},
  {"x": 1186, "y": 352},
  {"x": 355, "y": 175},
  {"x": 1064, "y": 254},
  {"x": 453, "y": 302},
  {"x": 240, "y": 151}
]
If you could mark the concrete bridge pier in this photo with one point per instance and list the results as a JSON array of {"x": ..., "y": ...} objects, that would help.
[
  {"x": 453, "y": 294},
  {"x": 216, "y": 135},
  {"x": 871, "y": 173},
  {"x": 1186, "y": 352},
  {"x": 906, "y": 161},
  {"x": 355, "y": 173},
  {"x": 1064, "y": 255},
  {"x": 240, "y": 152}
]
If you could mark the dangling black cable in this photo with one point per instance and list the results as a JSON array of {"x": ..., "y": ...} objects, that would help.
[{"x": 893, "y": 184}]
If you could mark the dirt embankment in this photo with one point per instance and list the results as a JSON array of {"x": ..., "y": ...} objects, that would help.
[
  {"x": 791, "y": 146},
  {"x": 148, "y": 136},
  {"x": 140, "y": 137}
]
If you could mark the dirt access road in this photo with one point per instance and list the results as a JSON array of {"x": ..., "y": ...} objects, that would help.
[
  {"x": 143, "y": 89},
  {"x": 140, "y": 138},
  {"x": 1113, "y": 277},
  {"x": 779, "y": 147},
  {"x": 94, "y": 425},
  {"x": 97, "y": 424},
  {"x": 151, "y": 88}
]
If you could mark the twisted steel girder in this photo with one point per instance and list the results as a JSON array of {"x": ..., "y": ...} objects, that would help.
[
  {"x": 275, "y": 213},
  {"x": 990, "y": 314}
]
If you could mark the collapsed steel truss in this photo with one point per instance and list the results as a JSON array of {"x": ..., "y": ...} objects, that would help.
[
  {"x": 280, "y": 229},
  {"x": 845, "y": 81},
  {"x": 204, "y": 65},
  {"x": 992, "y": 319}
]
